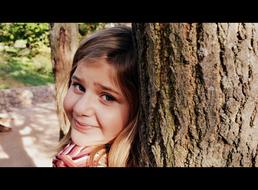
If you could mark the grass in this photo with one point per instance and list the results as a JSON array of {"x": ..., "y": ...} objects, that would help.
[{"x": 19, "y": 70}]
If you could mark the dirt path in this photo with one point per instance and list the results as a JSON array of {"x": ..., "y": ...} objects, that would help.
[{"x": 33, "y": 137}]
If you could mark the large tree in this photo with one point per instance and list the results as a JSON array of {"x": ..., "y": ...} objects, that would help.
[
  {"x": 199, "y": 90},
  {"x": 64, "y": 40}
]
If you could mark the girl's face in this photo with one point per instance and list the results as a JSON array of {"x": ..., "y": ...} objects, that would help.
[{"x": 95, "y": 104}]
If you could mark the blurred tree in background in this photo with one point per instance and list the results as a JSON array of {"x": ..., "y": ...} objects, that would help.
[{"x": 64, "y": 40}]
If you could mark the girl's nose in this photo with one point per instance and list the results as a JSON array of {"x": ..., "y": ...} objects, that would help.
[{"x": 85, "y": 105}]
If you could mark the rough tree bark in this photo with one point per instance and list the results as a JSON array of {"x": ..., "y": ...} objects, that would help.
[
  {"x": 199, "y": 94},
  {"x": 64, "y": 41}
]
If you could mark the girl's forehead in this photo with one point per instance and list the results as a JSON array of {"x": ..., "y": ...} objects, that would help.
[
  {"x": 99, "y": 70},
  {"x": 96, "y": 64}
]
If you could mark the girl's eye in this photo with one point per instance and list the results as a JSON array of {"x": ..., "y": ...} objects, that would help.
[
  {"x": 108, "y": 98},
  {"x": 78, "y": 87}
]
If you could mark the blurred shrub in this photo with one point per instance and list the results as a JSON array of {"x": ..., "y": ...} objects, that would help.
[
  {"x": 88, "y": 28},
  {"x": 34, "y": 34}
]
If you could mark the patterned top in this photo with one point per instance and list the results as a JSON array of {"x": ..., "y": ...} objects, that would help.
[{"x": 76, "y": 156}]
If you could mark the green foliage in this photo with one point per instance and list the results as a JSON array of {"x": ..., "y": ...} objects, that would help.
[
  {"x": 4, "y": 86},
  {"x": 34, "y": 34},
  {"x": 87, "y": 28},
  {"x": 26, "y": 71},
  {"x": 25, "y": 53}
]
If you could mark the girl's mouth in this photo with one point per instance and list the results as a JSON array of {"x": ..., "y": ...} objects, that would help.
[{"x": 82, "y": 127}]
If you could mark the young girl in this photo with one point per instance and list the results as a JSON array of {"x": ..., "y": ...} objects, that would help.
[{"x": 102, "y": 102}]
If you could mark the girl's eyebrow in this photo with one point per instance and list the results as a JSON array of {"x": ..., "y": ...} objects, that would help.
[
  {"x": 99, "y": 85},
  {"x": 106, "y": 88},
  {"x": 76, "y": 78}
]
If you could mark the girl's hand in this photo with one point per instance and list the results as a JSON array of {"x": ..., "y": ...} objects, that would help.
[{"x": 75, "y": 156}]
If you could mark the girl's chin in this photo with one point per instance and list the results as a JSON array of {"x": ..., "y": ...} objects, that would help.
[{"x": 81, "y": 139}]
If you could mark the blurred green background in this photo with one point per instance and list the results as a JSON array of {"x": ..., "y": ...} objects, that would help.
[{"x": 25, "y": 55}]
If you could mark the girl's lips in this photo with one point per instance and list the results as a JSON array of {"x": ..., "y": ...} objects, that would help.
[{"x": 81, "y": 126}]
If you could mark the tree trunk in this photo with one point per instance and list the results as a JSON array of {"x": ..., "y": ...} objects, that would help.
[
  {"x": 199, "y": 92},
  {"x": 64, "y": 42}
]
